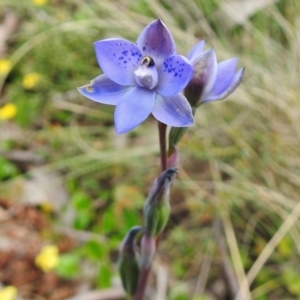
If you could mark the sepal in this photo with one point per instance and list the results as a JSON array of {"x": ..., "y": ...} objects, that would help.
[
  {"x": 129, "y": 268},
  {"x": 157, "y": 207}
]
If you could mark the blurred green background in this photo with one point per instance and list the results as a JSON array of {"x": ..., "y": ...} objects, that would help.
[{"x": 235, "y": 205}]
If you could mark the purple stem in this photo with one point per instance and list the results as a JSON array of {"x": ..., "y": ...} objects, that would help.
[
  {"x": 144, "y": 275},
  {"x": 162, "y": 129},
  {"x": 145, "y": 272},
  {"x": 148, "y": 249}
]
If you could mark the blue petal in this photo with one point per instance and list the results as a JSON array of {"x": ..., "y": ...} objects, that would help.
[
  {"x": 204, "y": 76},
  {"x": 196, "y": 50},
  {"x": 133, "y": 109},
  {"x": 103, "y": 90},
  {"x": 156, "y": 41},
  {"x": 174, "y": 75},
  {"x": 173, "y": 111},
  {"x": 230, "y": 89},
  {"x": 225, "y": 74},
  {"x": 118, "y": 59}
]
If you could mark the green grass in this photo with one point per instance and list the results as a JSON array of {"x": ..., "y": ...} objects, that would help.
[{"x": 240, "y": 163}]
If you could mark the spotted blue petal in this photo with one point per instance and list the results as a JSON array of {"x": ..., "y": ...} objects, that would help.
[
  {"x": 156, "y": 41},
  {"x": 118, "y": 58},
  {"x": 174, "y": 75}
]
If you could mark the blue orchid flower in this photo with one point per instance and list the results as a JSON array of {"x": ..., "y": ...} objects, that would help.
[
  {"x": 142, "y": 78},
  {"x": 211, "y": 80}
]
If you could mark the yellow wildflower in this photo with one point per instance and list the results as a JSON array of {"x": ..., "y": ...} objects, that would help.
[
  {"x": 5, "y": 66},
  {"x": 8, "y": 111},
  {"x": 39, "y": 2},
  {"x": 61, "y": 16},
  {"x": 8, "y": 293},
  {"x": 31, "y": 80},
  {"x": 48, "y": 258},
  {"x": 47, "y": 207}
]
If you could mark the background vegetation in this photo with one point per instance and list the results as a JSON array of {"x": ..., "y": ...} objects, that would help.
[{"x": 80, "y": 186}]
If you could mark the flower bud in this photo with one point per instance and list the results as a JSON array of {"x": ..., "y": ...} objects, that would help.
[
  {"x": 211, "y": 81},
  {"x": 128, "y": 261},
  {"x": 157, "y": 207}
]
